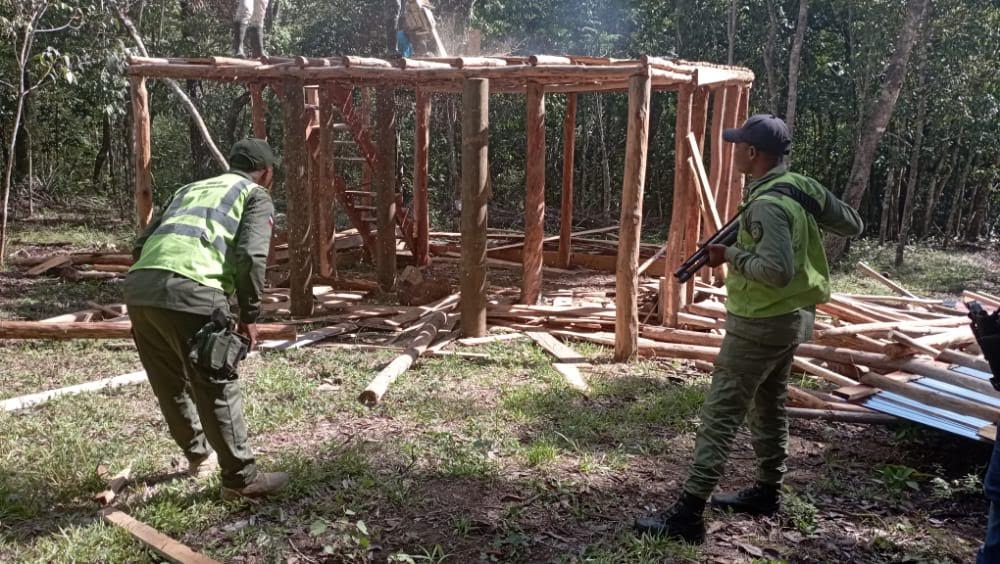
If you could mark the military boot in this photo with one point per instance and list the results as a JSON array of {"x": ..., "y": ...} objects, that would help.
[
  {"x": 264, "y": 484},
  {"x": 257, "y": 42},
  {"x": 761, "y": 499},
  {"x": 239, "y": 35},
  {"x": 684, "y": 520},
  {"x": 203, "y": 466}
]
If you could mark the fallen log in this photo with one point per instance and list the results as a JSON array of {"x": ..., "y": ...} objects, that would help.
[
  {"x": 106, "y": 330},
  {"x": 163, "y": 545},
  {"x": 21, "y": 402},
  {"x": 840, "y": 416},
  {"x": 428, "y": 331}
]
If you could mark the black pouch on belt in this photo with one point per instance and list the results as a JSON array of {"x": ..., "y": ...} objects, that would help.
[{"x": 217, "y": 348}]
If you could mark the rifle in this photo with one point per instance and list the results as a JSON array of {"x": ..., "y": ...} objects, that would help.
[
  {"x": 986, "y": 328},
  {"x": 727, "y": 235}
]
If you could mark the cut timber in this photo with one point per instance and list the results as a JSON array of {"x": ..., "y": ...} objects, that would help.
[
  {"x": 105, "y": 330},
  {"x": 421, "y": 164},
  {"x": 54, "y": 262},
  {"x": 22, "y": 402},
  {"x": 475, "y": 195},
  {"x": 311, "y": 337},
  {"x": 633, "y": 184},
  {"x": 965, "y": 359},
  {"x": 573, "y": 376},
  {"x": 824, "y": 373},
  {"x": 556, "y": 348},
  {"x": 534, "y": 198},
  {"x": 889, "y": 283},
  {"x": 385, "y": 188},
  {"x": 566, "y": 209},
  {"x": 165, "y": 546},
  {"x": 115, "y": 485},
  {"x": 840, "y": 416},
  {"x": 142, "y": 151},
  {"x": 856, "y": 392},
  {"x": 885, "y": 326},
  {"x": 471, "y": 341},
  {"x": 914, "y": 344},
  {"x": 802, "y": 398},
  {"x": 983, "y": 298},
  {"x": 576, "y": 235},
  {"x": 444, "y": 304},
  {"x": 300, "y": 229},
  {"x": 711, "y": 212},
  {"x": 672, "y": 293},
  {"x": 378, "y": 386}
]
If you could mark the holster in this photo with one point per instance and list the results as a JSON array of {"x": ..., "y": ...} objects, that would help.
[{"x": 217, "y": 348}]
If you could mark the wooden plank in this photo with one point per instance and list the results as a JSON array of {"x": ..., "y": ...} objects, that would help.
[
  {"x": 856, "y": 392},
  {"x": 163, "y": 545},
  {"x": 566, "y": 209},
  {"x": 471, "y": 341},
  {"x": 573, "y": 377},
  {"x": 889, "y": 283},
  {"x": 824, "y": 373},
  {"x": 633, "y": 184},
  {"x": 556, "y": 348},
  {"x": 534, "y": 199},
  {"x": 475, "y": 197},
  {"x": 54, "y": 262}
]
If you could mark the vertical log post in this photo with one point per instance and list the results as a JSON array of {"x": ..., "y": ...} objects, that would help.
[
  {"x": 627, "y": 280},
  {"x": 715, "y": 165},
  {"x": 699, "y": 117},
  {"x": 385, "y": 188},
  {"x": 326, "y": 227},
  {"x": 727, "y": 206},
  {"x": 534, "y": 199},
  {"x": 142, "y": 152},
  {"x": 259, "y": 110},
  {"x": 313, "y": 147},
  {"x": 737, "y": 179},
  {"x": 475, "y": 167},
  {"x": 670, "y": 291},
  {"x": 300, "y": 231},
  {"x": 421, "y": 160},
  {"x": 566, "y": 212}
]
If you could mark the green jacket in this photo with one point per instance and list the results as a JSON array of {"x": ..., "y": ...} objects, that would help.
[
  {"x": 150, "y": 284},
  {"x": 778, "y": 264}
]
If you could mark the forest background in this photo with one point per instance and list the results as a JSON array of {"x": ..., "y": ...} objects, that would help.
[{"x": 894, "y": 104}]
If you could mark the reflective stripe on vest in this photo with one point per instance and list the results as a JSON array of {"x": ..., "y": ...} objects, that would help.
[
  {"x": 197, "y": 230},
  {"x": 810, "y": 283}
]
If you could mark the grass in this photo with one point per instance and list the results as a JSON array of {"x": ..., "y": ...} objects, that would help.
[{"x": 493, "y": 460}]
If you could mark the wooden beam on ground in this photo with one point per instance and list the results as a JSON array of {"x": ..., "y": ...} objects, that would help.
[
  {"x": 824, "y": 373},
  {"x": 163, "y": 545},
  {"x": 534, "y": 199},
  {"x": 300, "y": 228},
  {"x": 556, "y": 348},
  {"x": 633, "y": 183},
  {"x": 471, "y": 341},
  {"x": 378, "y": 386},
  {"x": 23, "y": 402},
  {"x": 671, "y": 293},
  {"x": 385, "y": 188},
  {"x": 886, "y": 326},
  {"x": 421, "y": 163},
  {"x": 864, "y": 268},
  {"x": 841, "y": 416},
  {"x": 142, "y": 152},
  {"x": 475, "y": 221},
  {"x": 566, "y": 210}
]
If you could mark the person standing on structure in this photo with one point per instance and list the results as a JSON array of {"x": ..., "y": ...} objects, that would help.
[
  {"x": 249, "y": 17},
  {"x": 778, "y": 272},
  {"x": 210, "y": 242}
]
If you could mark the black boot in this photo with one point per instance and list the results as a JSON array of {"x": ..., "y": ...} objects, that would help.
[
  {"x": 239, "y": 35},
  {"x": 684, "y": 520},
  {"x": 761, "y": 499},
  {"x": 257, "y": 42}
]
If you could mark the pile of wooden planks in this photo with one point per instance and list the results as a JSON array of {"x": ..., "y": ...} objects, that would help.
[{"x": 76, "y": 266}]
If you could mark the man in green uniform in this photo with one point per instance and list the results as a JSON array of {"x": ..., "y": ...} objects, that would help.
[
  {"x": 778, "y": 272},
  {"x": 211, "y": 241}
]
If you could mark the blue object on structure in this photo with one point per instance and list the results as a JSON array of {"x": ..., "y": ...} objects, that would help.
[{"x": 403, "y": 44}]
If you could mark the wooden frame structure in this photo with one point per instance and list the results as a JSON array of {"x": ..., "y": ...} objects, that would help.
[{"x": 318, "y": 101}]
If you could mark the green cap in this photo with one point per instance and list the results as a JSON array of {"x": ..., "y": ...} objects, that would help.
[{"x": 252, "y": 154}]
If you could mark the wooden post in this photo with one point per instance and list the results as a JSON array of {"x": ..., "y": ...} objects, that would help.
[
  {"x": 259, "y": 110},
  {"x": 699, "y": 117},
  {"x": 566, "y": 213},
  {"x": 385, "y": 189},
  {"x": 300, "y": 231},
  {"x": 627, "y": 280},
  {"x": 315, "y": 180},
  {"x": 325, "y": 200},
  {"x": 670, "y": 290},
  {"x": 716, "y": 143},
  {"x": 736, "y": 179},
  {"x": 475, "y": 168},
  {"x": 534, "y": 199},
  {"x": 142, "y": 152},
  {"x": 421, "y": 156}
]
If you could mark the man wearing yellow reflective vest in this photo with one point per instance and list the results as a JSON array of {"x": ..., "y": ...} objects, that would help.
[
  {"x": 210, "y": 242},
  {"x": 778, "y": 272}
]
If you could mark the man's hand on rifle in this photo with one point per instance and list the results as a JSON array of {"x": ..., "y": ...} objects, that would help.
[
  {"x": 716, "y": 255},
  {"x": 249, "y": 330}
]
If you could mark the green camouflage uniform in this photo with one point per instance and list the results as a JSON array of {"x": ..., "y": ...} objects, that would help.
[{"x": 778, "y": 273}]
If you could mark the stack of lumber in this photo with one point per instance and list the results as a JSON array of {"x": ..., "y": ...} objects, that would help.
[{"x": 76, "y": 266}]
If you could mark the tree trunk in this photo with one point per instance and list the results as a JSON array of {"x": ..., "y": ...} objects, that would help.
[
  {"x": 770, "y": 70},
  {"x": 938, "y": 182},
  {"x": 456, "y": 185},
  {"x": 957, "y": 197},
  {"x": 890, "y": 181},
  {"x": 978, "y": 212},
  {"x": 103, "y": 156},
  {"x": 793, "y": 63},
  {"x": 877, "y": 121},
  {"x": 584, "y": 160},
  {"x": 911, "y": 184},
  {"x": 605, "y": 164},
  {"x": 731, "y": 30},
  {"x": 233, "y": 116},
  {"x": 201, "y": 160}
]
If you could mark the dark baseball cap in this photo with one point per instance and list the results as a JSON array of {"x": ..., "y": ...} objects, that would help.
[
  {"x": 767, "y": 132},
  {"x": 252, "y": 154}
]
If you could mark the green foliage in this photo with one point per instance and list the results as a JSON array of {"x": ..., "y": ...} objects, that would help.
[
  {"x": 800, "y": 511},
  {"x": 898, "y": 479}
]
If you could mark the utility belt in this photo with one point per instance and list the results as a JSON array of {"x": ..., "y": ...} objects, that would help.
[{"x": 217, "y": 347}]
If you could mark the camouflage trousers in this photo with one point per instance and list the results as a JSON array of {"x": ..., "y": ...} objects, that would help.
[{"x": 749, "y": 383}]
